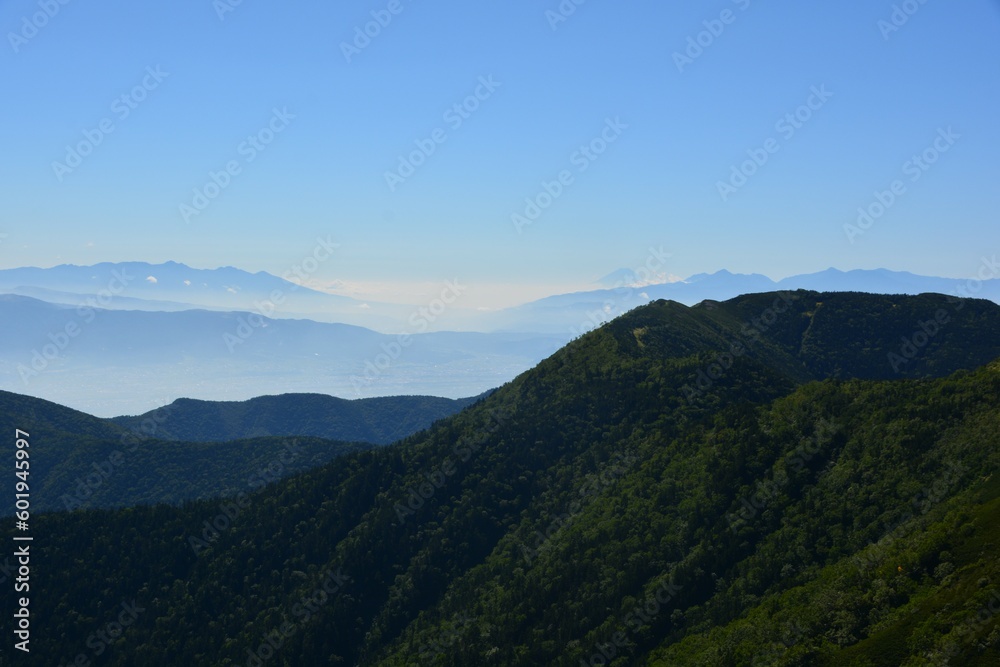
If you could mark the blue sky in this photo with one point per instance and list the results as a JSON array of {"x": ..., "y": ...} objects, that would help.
[{"x": 556, "y": 85}]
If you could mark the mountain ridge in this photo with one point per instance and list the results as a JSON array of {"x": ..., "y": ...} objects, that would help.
[
  {"x": 379, "y": 420},
  {"x": 622, "y": 491},
  {"x": 196, "y": 449}
]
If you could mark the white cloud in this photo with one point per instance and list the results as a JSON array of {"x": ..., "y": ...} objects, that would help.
[
  {"x": 655, "y": 279},
  {"x": 188, "y": 283}
]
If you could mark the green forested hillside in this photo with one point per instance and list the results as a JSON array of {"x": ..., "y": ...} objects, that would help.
[
  {"x": 51, "y": 417},
  {"x": 113, "y": 473},
  {"x": 200, "y": 449},
  {"x": 79, "y": 461},
  {"x": 672, "y": 488}
]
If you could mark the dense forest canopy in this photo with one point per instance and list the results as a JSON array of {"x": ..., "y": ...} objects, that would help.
[{"x": 752, "y": 482}]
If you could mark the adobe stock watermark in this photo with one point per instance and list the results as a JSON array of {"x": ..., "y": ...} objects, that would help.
[
  {"x": 914, "y": 168},
  {"x": 463, "y": 450},
  {"x": 86, "y": 313},
  {"x": 248, "y": 149},
  {"x": 223, "y": 7},
  {"x": 594, "y": 484},
  {"x": 988, "y": 270},
  {"x": 752, "y": 330},
  {"x": 642, "y": 614},
  {"x": 86, "y": 485},
  {"x": 647, "y": 274},
  {"x": 703, "y": 40},
  {"x": 582, "y": 158},
  {"x": 331, "y": 584},
  {"x": 265, "y": 308},
  {"x": 419, "y": 322},
  {"x": 786, "y": 126},
  {"x": 796, "y": 460},
  {"x": 364, "y": 34},
  {"x": 967, "y": 631},
  {"x": 445, "y": 638},
  {"x": 794, "y": 632},
  {"x": 101, "y": 471},
  {"x": 233, "y": 507},
  {"x": 926, "y": 330},
  {"x": 562, "y": 12},
  {"x": 148, "y": 428},
  {"x": 32, "y": 25},
  {"x": 454, "y": 116},
  {"x": 229, "y": 511},
  {"x": 922, "y": 503},
  {"x": 100, "y": 641},
  {"x": 122, "y": 107},
  {"x": 900, "y": 16},
  {"x": 921, "y": 337}
]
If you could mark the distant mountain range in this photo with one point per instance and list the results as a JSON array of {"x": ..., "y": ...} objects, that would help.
[
  {"x": 172, "y": 286},
  {"x": 133, "y": 336},
  {"x": 582, "y": 311},
  {"x": 379, "y": 421},
  {"x": 113, "y": 362}
]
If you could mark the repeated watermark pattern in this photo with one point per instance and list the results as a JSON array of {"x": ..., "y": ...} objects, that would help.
[
  {"x": 914, "y": 169},
  {"x": 248, "y": 150},
  {"x": 35, "y": 23},
  {"x": 419, "y": 321},
  {"x": 86, "y": 312},
  {"x": 714, "y": 28},
  {"x": 455, "y": 116},
  {"x": 787, "y": 126},
  {"x": 582, "y": 159}
]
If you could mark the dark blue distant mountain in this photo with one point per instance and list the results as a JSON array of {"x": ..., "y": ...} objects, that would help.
[
  {"x": 581, "y": 311},
  {"x": 376, "y": 420}
]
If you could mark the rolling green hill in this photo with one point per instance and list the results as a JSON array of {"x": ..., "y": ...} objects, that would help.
[
  {"x": 754, "y": 482},
  {"x": 199, "y": 449}
]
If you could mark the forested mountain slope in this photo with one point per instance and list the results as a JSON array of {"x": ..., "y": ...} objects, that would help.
[{"x": 673, "y": 488}]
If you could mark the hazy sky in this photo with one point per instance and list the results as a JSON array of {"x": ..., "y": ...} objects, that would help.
[{"x": 310, "y": 128}]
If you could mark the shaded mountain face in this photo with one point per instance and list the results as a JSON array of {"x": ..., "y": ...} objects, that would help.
[
  {"x": 707, "y": 485},
  {"x": 379, "y": 421},
  {"x": 164, "y": 456},
  {"x": 79, "y": 461}
]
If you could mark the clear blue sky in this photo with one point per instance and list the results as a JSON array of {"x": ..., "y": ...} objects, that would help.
[{"x": 657, "y": 184}]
